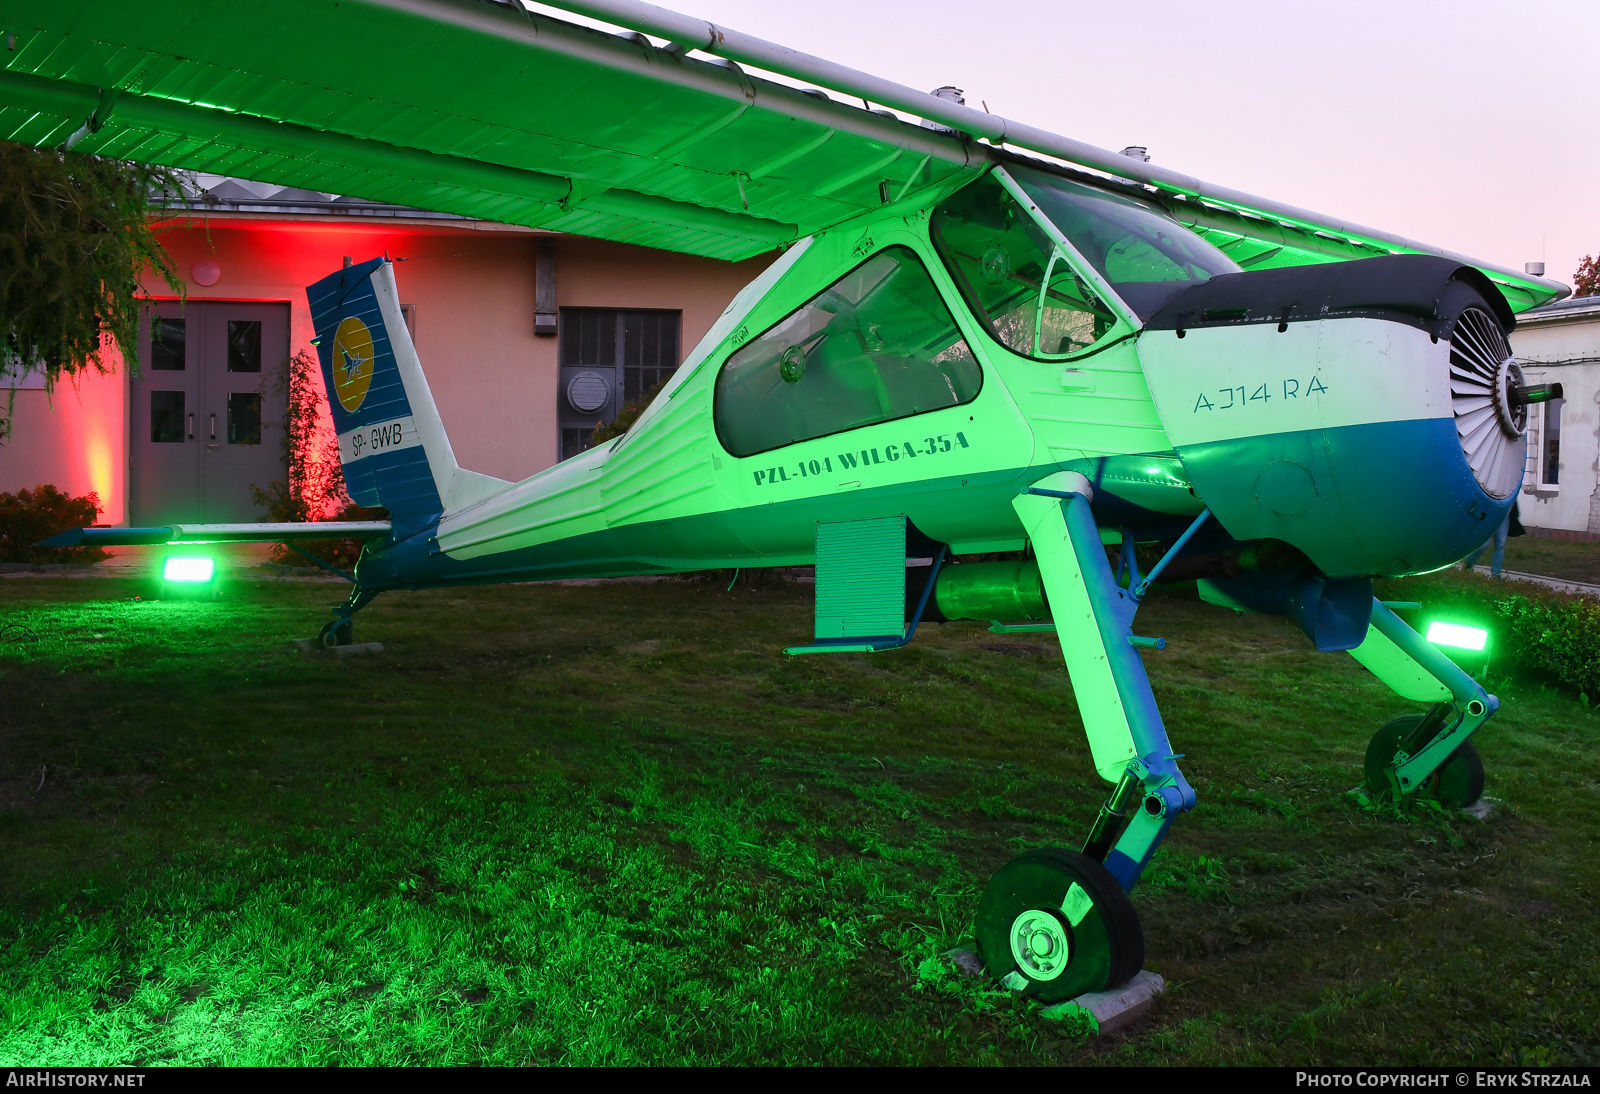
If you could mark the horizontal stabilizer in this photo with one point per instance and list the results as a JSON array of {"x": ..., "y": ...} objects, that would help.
[{"x": 217, "y": 533}]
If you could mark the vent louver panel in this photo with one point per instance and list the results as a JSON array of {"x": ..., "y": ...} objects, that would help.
[{"x": 1482, "y": 376}]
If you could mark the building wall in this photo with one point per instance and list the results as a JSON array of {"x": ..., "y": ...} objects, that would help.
[
  {"x": 74, "y": 438},
  {"x": 473, "y": 290},
  {"x": 1575, "y": 502}
]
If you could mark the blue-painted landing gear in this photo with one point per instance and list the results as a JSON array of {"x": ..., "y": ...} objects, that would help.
[
  {"x": 341, "y": 631},
  {"x": 1054, "y": 924}
]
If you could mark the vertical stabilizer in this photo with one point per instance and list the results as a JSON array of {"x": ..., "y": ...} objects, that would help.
[{"x": 392, "y": 441}]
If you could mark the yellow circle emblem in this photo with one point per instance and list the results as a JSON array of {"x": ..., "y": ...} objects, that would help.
[{"x": 352, "y": 362}]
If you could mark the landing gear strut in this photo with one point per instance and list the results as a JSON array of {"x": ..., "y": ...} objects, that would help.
[
  {"x": 342, "y": 631},
  {"x": 1456, "y": 783},
  {"x": 1423, "y": 755},
  {"x": 1054, "y": 923}
]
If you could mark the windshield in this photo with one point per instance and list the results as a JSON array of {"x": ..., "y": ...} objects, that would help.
[
  {"x": 1146, "y": 256},
  {"x": 1015, "y": 280}
]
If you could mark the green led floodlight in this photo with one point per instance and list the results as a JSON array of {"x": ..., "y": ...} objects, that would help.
[
  {"x": 191, "y": 570},
  {"x": 1455, "y": 634}
]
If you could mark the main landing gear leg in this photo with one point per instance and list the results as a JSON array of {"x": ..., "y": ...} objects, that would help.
[
  {"x": 1055, "y": 923},
  {"x": 1428, "y": 755},
  {"x": 342, "y": 631}
]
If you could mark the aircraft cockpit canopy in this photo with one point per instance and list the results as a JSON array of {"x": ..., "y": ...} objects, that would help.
[
  {"x": 1031, "y": 293},
  {"x": 1145, "y": 255}
]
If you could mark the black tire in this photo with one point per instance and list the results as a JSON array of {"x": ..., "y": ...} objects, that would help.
[
  {"x": 1457, "y": 783},
  {"x": 1105, "y": 946},
  {"x": 340, "y": 632},
  {"x": 1381, "y": 750}
]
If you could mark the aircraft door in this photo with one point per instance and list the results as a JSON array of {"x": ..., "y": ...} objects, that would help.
[
  {"x": 1056, "y": 334},
  {"x": 866, "y": 395}
]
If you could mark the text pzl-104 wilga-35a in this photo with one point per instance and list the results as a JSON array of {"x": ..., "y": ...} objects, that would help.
[{"x": 962, "y": 349}]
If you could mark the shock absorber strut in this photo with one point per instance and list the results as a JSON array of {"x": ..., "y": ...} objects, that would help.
[{"x": 1108, "y": 825}]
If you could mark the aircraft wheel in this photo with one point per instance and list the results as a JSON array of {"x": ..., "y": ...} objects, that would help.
[
  {"x": 1054, "y": 924},
  {"x": 340, "y": 632},
  {"x": 1457, "y": 783}
]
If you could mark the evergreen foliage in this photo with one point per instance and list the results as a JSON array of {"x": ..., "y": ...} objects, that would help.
[
  {"x": 313, "y": 482},
  {"x": 75, "y": 233},
  {"x": 627, "y": 414},
  {"x": 1558, "y": 634}
]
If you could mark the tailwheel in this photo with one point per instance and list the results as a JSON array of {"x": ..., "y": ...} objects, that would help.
[
  {"x": 1054, "y": 924},
  {"x": 340, "y": 632},
  {"x": 1457, "y": 783}
]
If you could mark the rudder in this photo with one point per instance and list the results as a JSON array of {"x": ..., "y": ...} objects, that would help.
[{"x": 392, "y": 441}]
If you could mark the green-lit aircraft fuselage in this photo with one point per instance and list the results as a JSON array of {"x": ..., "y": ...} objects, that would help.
[{"x": 959, "y": 352}]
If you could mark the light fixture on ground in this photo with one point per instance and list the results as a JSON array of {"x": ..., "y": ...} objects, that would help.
[
  {"x": 1457, "y": 635},
  {"x": 193, "y": 571}
]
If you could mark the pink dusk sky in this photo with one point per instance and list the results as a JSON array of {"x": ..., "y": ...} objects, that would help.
[{"x": 1473, "y": 125}]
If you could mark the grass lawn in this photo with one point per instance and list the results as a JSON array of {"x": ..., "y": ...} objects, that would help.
[
  {"x": 1552, "y": 558},
  {"x": 615, "y": 824}
]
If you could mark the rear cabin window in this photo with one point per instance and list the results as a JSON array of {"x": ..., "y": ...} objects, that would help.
[{"x": 877, "y": 345}]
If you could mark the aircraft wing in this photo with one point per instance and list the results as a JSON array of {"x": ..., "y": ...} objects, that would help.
[
  {"x": 481, "y": 108},
  {"x": 463, "y": 107},
  {"x": 217, "y": 533}
]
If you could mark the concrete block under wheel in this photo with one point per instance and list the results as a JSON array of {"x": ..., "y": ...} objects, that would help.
[
  {"x": 1114, "y": 1008},
  {"x": 1109, "y": 1010},
  {"x": 311, "y": 645}
]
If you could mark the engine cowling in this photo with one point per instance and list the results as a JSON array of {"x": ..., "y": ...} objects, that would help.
[{"x": 1368, "y": 413}]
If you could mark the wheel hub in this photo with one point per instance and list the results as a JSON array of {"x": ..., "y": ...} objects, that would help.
[{"x": 1041, "y": 944}]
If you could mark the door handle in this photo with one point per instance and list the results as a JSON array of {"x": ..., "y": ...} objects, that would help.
[
  {"x": 213, "y": 427},
  {"x": 191, "y": 425}
]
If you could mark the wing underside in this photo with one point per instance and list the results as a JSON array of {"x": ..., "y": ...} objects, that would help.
[
  {"x": 484, "y": 109},
  {"x": 466, "y": 108}
]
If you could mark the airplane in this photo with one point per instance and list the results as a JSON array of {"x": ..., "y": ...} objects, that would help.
[{"x": 979, "y": 338}]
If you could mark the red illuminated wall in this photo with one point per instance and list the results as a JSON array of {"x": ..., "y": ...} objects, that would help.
[
  {"x": 473, "y": 289},
  {"x": 75, "y": 438}
]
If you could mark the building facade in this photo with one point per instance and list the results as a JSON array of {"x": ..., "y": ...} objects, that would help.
[
  {"x": 529, "y": 339},
  {"x": 1560, "y": 343}
]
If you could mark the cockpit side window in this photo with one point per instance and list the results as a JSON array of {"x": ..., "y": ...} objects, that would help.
[
  {"x": 1016, "y": 281},
  {"x": 877, "y": 345}
]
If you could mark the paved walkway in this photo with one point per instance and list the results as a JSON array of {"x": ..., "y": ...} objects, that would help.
[{"x": 1578, "y": 588}]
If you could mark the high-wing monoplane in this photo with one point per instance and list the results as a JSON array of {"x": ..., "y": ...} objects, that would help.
[{"x": 979, "y": 339}]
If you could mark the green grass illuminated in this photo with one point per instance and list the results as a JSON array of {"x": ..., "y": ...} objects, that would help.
[
  {"x": 1457, "y": 635},
  {"x": 613, "y": 824},
  {"x": 188, "y": 569}
]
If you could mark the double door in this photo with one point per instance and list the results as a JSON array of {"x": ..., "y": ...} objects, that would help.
[{"x": 208, "y": 411}]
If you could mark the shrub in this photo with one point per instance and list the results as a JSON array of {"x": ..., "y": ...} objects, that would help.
[
  {"x": 313, "y": 477},
  {"x": 1538, "y": 632},
  {"x": 28, "y": 516},
  {"x": 627, "y": 414},
  {"x": 1559, "y": 637}
]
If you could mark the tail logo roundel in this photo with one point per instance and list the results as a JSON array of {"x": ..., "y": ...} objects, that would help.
[{"x": 352, "y": 362}]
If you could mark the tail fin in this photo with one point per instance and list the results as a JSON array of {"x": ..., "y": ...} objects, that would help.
[{"x": 391, "y": 439}]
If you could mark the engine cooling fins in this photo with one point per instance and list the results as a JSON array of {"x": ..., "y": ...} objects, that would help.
[{"x": 1484, "y": 379}]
